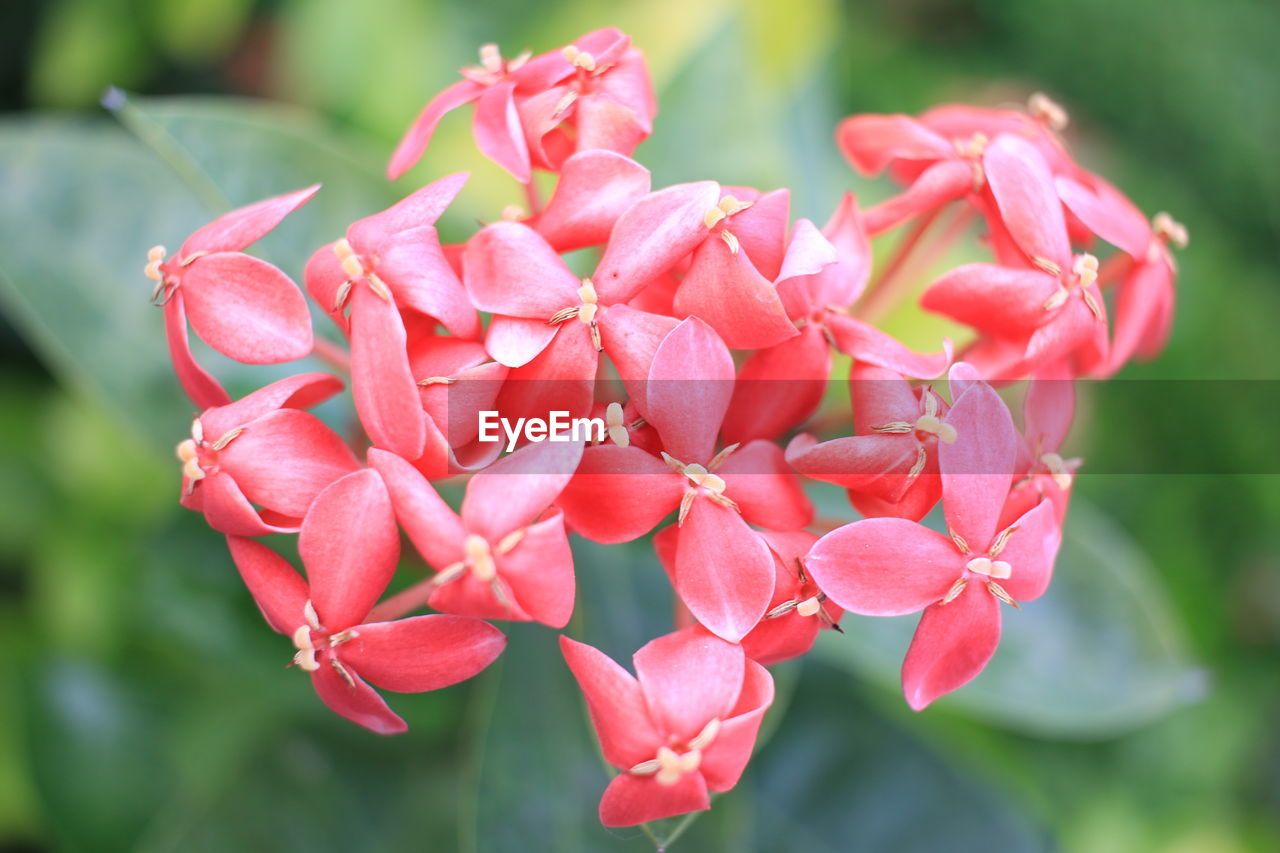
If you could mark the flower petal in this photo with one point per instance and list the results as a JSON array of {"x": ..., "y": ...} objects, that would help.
[
  {"x": 516, "y": 341},
  {"x": 884, "y": 566},
  {"x": 939, "y": 184},
  {"x": 977, "y": 468},
  {"x": 689, "y": 389},
  {"x": 246, "y": 309},
  {"x": 284, "y": 459},
  {"x": 415, "y": 268},
  {"x": 510, "y": 269},
  {"x": 1047, "y": 412},
  {"x": 951, "y": 645},
  {"x": 689, "y": 677},
  {"x": 724, "y": 289},
  {"x": 875, "y": 464},
  {"x": 724, "y": 571},
  {"x": 201, "y": 387},
  {"x": 515, "y": 490},
  {"x": 349, "y": 545},
  {"x": 276, "y": 586},
  {"x": 1023, "y": 188},
  {"x": 630, "y": 800},
  {"x": 1107, "y": 213},
  {"x": 382, "y": 383},
  {"x": 595, "y": 188},
  {"x": 432, "y": 526},
  {"x": 868, "y": 345},
  {"x": 652, "y": 236},
  {"x": 422, "y": 653},
  {"x": 619, "y": 494},
  {"x": 418, "y": 136},
  {"x": 498, "y": 133},
  {"x": 301, "y": 391},
  {"x": 419, "y": 208},
  {"x": 539, "y": 572},
  {"x": 759, "y": 480},
  {"x": 1002, "y": 301},
  {"x": 228, "y": 511},
  {"x": 616, "y": 704},
  {"x": 631, "y": 338},
  {"x": 871, "y": 142},
  {"x": 1031, "y": 550},
  {"x": 241, "y": 228},
  {"x": 356, "y": 701},
  {"x": 779, "y": 387},
  {"x": 725, "y": 759}
]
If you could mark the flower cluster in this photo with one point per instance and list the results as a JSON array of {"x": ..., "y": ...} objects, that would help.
[{"x": 704, "y": 338}]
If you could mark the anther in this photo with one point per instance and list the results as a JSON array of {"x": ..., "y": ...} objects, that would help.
[
  {"x": 1047, "y": 110},
  {"x": 614, "y": 426},
  {"x": 1169, "y": 229},
  {"x": 1000, "y": 593},
  {"x": 479, "y": 557},
  {"x": 954, "y": 592}
]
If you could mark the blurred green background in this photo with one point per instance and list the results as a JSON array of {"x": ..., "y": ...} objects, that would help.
[{"x": 145, "y": 706}]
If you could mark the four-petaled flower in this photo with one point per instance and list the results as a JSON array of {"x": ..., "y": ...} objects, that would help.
[{"x": 683, "y": 725}]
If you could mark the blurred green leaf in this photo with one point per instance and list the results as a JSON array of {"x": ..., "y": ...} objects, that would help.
[
  {"x": 1100, "y": 653},
  {"x": 84, "y": 201}
]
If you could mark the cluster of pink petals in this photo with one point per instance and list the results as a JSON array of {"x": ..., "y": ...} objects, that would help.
[{"x": 722, "y": 320}]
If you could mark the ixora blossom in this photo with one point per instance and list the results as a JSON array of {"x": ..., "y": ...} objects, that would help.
[
  {"x": 892, "y": 566},
  {"x": 240, "y": 305},
  {"x": 694, "y": 332},
  {"x": 349, "y": 546},
  {"x": 684, "y": 724}
]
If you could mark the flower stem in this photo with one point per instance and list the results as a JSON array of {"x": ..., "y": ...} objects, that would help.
[
  {"x": 914, "y": 255},
  {"x": 337, "y": 357},
  {"x": 532, "y": 197}
]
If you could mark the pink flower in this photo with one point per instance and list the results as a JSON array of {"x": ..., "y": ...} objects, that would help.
[
  {"x": 594, "y": 189},
  {"x": 387, "y": 264},
  {"x": 1043, "y": 475},
  {"x": 724, "y": 573},
  {"x": 456, "y": 381},
  {"x": 684, "y": 724},
  {"x": 240, "y": 305},
  {"x": 349, "y": 546},
  {"x": 782, "y": 385},
  {"x": 263, "y": 451},
  {"x": 507, "y": 555},
  {"x": 890, "y": 464},
  {"x": 598, "y": 87},
  {"x": 891, "y": 566},
  {"x": 552, "y": 334},
  {"x": 798, "y": 610},
  {"x": 1049, "y": 307},
  {"x": 1144, "y": 306}
]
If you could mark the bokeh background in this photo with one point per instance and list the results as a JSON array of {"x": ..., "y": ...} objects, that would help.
[{"x": 145, "y": 706}]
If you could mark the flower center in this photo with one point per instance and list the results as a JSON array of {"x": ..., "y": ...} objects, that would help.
[
  {"x": 986, "y": 566},
  {"x": 673, "y": 762},
  {"x": 586, "y": 310},
  {"x": 929, "y": 423},
  {"x": 717, "y": 219},
  {"x": 1084, "y": 272},
  {"x": 1058, "y": 468},
  {"x": 493, "y": 68},
  {"x": 701, "y": 480},
  {"x": 198, "y": 457},
  {"x": 311, "y": 641},
  {"x": 356, "y": 269}
]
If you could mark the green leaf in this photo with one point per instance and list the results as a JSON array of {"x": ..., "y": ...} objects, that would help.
[
  {"x": 84, "y": 200},
  {"x": 1100, "y": 653}
]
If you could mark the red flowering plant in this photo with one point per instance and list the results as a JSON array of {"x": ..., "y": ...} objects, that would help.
[{"x": 675, "y": 388}]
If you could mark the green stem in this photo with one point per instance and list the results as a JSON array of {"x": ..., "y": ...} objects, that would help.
[{"x": 154, "y": 136}]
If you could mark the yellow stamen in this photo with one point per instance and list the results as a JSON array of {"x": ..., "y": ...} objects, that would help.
[
  {"x": 479, "y": 557},
  {"x": 613, "y": 421},
  {"x": 1169, "y": 229},
  {"x": 1048, "y": 111}
]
